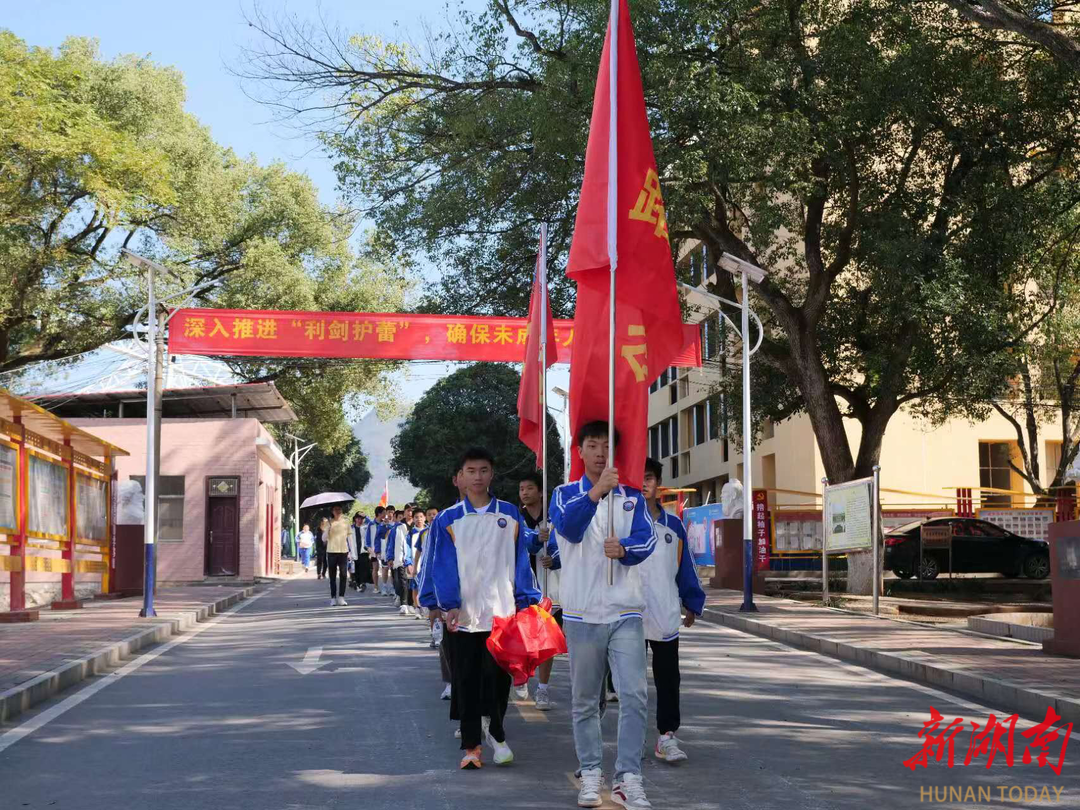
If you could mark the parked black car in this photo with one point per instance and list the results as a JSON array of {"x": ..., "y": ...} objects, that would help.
[{"x": 977, "y": 547}]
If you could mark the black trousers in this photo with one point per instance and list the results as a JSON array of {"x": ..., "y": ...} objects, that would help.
[
  {"x": 362, "y": 571},
  {"x": 320, "y": 559},
  {"x": 481, "y": 688},
  {"x": 400, "y": 579},
  {"x": 338, "y": 564},
  {"x": 665, "y": 670}
]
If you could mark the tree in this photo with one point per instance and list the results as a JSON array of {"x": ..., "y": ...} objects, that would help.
[
  {"x": 476, "y": 405},
  {"x": 1053, "y": 26},
  {"x": 98, "y": 155},
  {"x": 866, "y": 154},
  {"x": 1043, "y": 375},
  {"x": 343, "y": 471}
]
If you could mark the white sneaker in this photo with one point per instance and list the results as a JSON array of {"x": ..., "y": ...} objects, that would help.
[
  {"x": 503, "y": 754},
  {"x": 445, "y": 693},
  {"x": 667, "y": 748},
  {"x": 333, "y": 602},
  {"x": 592, "y": 783},
  {"x": 543, "y": 700},
  {"x": 403, "y": 610},
  {"x": 397, "y": 602},
  {"x": 630, "y": 792},
  {"x": 341, "y": 601},
  {"x": 457, "y": 733},
  {"x": 522, "y": 692}
]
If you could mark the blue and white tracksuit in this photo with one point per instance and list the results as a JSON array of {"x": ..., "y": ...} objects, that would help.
[
  {"x": 603, "y": 623},
  {"x": 669, "y": 580},
  {"x": 581, "y": 528},
  {"x": 476, "y": 561},
  {"x": 397, "y": 546},
  {"x": 548, "y": 578}
]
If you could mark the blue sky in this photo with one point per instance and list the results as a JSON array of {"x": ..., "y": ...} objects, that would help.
[{"x": 201, "y": 38}]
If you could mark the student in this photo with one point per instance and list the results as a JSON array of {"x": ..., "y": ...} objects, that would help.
[
  {"x": 373, "y": 547},
  {"x": 320, "y": 548},
  {"x": 413, "y": 542},
  {"x": 337, "y": 554},
  {"x": 304, "y": 542},
  {"x": 479, "y": 569},
  {"x": 385, "y": 539},
  {"x": 397, "y": 557},
  {"x": 362, "y": 566},
  {"x": 670, "y": 583},
  {"x": 531, "y": 494},
  {"x": 602, "y": 622}
]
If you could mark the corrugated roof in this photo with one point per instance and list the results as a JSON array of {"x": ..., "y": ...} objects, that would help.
[{"x": 260, "y": 401}]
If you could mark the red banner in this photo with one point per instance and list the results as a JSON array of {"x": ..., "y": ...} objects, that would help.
[
  {"x": 384, "y": 336},
  {"x": 762, "y": 529}
]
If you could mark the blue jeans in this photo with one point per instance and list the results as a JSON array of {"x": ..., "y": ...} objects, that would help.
[
  {"x": 594, "y": 647},
  {"x": 305, "y": 557}
]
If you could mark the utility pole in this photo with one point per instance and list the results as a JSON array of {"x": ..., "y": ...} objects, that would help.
[{"x": 156, "y": 323}]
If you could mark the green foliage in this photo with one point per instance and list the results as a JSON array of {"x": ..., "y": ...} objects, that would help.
[
  {"x": 96, "y": 155},
  {"x": 476, "y": 405},
  {"x": 884, "y": 161}
]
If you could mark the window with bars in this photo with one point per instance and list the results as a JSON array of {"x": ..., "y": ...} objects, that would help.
[
  {"x": 170, "y": 506},
  {"x": 994, "y": 472}
]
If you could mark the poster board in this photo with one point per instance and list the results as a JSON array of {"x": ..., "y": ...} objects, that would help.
[
  {"x": 1033, "y": 523},
  {"x": 699, "y": 522},
  {"x": 9, "y": 464},
  {"x": 936, "y": 536},
  {"x": 848, "y": 516},
  {"x": 91, "y": 508},
  {"x": 47, "y": 512}
]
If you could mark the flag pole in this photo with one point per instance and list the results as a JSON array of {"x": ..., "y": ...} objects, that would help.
[
  {"x": 613, "y": 250},
  {"x": 543, "y": 389}
]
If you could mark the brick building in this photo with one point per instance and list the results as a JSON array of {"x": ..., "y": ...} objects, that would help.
[{"x": 220, "y": 485}]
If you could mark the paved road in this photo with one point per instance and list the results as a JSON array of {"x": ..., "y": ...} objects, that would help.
[{"x": 225, "y": 721}]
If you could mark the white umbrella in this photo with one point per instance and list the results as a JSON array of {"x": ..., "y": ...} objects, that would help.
[{"x": 324, "y": 498}]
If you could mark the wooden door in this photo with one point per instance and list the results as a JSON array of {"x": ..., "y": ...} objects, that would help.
[{"x": 223, "y": 529}]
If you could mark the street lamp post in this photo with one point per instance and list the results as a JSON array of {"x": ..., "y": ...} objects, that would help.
[
  {"x": 746, "y": 272},
  {"x": 566, "y": 430},
  {"x": 298, "y": 454},
  {"x": 155, "y": 350}
]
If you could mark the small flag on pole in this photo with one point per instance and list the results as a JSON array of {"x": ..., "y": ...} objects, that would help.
[
  {"x": 385, "y": 499},
  {"x": 540, "y": 350}
]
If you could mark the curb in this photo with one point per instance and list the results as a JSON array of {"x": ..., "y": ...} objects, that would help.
[
  {"x": 912, "y": 666},
  {"x": 25, "y": 696}
]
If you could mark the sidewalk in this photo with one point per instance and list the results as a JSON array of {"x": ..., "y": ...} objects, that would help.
[
  {"x": 1011, "y": 675},
  {"x": 41, "y": 658}
]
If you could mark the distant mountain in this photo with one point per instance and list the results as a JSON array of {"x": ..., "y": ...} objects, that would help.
[{"x": 375, "y": 435}]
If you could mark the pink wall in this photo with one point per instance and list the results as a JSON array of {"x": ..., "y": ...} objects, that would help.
[{"x": 197, "y": 449}]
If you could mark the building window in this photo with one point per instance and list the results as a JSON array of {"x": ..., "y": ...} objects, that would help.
[
  {"x": 170, "y": 506},
  {"x": 768, "y": 431},
  {"x": 712, "y": 417},
  {"x": 654, "y": 442},
  {"x": 685, "y": 463},
  {"x": 664, "y": 378},
  {"x": 994, "y": 472},
  {"x": 654, "y": 387},
  {"x": 665, "y": 440},
  {"x": 699, "y": 424},
  {"x": 695, "y": 269},
  {"x": 674, "y": 466},
  {"x": 674, "y": 392},
  {"x": 674, "y": 434}
]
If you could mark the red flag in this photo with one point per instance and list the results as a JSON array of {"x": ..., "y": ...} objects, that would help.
[
  {"x": 541, "y": 333},
  {"x": 621, "y": 224},
  {"x": 385, "y": 499}
]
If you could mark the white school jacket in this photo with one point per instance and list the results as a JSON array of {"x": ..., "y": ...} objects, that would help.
[
  {"x": 477, "y": 561},
  {"x": 581, "y": 529},
  {"x": 669, "y": 580}
]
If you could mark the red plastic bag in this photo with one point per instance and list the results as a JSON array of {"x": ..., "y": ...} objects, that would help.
[{"x": 522, "y": 642}]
